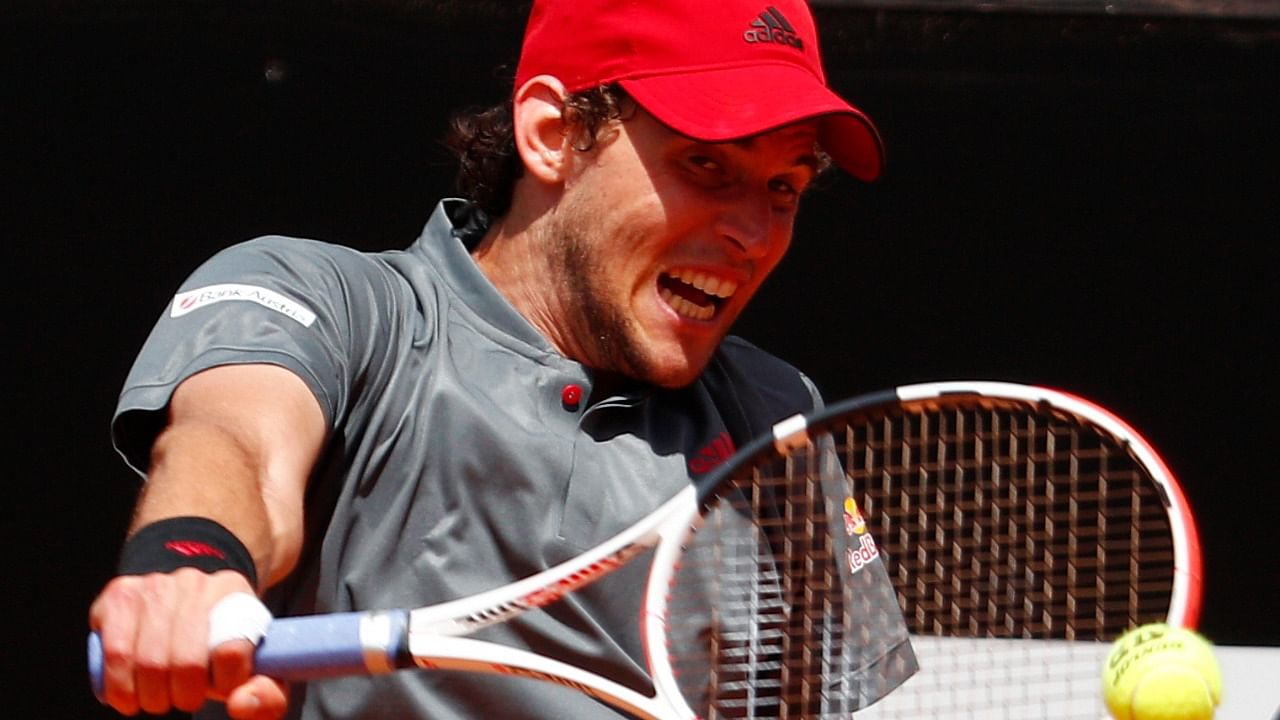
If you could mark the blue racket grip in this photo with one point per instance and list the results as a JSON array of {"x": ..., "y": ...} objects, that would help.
[
  {"x": 311, "y": 647},
  {"x": 320, "y": 646},
  {"x": 96, "y": 681}
]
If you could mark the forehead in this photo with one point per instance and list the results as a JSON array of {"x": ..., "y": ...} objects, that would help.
[
  {"x": 798, "y": 140},
  {"x": 801, "y": 135}
]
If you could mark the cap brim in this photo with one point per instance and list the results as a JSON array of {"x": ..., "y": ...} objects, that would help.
[{"x": 729, "y": 104}]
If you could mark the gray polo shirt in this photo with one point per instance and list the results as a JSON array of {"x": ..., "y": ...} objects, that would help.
[{"x": 455, "y": 463}]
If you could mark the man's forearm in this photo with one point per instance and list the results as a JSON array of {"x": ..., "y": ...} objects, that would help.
[
  {"x": 238, "y": 449},
  {"x": 200, "y": 469}
]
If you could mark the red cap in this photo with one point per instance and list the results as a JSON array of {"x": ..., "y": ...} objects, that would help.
[{"x": 713, "y": 70}]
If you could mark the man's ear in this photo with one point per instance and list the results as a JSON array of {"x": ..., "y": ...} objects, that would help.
[{"x": 538, "y": 122}]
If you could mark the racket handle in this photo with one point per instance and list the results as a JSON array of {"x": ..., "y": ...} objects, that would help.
[
  {"x": 320, "y": 646},
  {"x": 96, "y": 680},
  {"x": 314, "y": 646}
]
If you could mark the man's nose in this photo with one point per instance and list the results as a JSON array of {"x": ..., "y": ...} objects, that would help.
[{"x": 747, "y": 222}]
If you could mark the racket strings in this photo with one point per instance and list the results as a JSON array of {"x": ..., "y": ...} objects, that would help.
[
  {"x": 1009, "y": 522},
  {"x": 791, "y": 633}
]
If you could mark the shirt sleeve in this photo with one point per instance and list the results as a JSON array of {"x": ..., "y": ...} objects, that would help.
[{"x": 303, "y": 305}]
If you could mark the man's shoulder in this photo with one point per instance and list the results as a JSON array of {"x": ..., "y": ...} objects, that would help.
[
  {"x": 298, "y": 261},
  {"x": 299, "y": 249},
  {"x": 754, "y": 388},
  {"x": 749, "y": 359}
]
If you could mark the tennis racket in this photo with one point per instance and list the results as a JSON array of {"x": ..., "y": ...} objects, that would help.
[
  {"x": 1001, "y": 511},
  {"x": 1024, "y": 529}
]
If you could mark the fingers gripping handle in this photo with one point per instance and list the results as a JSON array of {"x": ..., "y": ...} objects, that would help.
[{"x": 313, "y": 647}]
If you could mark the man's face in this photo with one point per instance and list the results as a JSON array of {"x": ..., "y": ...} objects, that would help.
[{"x": 660, "y": 241}]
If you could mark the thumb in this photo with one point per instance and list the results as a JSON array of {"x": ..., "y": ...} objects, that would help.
[{"x": 261, "y": 698}]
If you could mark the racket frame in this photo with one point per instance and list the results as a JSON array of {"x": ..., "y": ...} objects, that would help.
[{"x": 436, "y": 632}]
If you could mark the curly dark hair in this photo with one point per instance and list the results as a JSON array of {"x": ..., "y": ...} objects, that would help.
[{"x": 484, "y": 143}]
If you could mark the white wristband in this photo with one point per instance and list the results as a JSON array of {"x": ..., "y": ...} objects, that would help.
[{"x": 238, "y": 616}]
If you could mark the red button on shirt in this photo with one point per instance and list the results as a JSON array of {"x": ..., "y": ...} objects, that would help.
[{"x": 571, "y": 395}]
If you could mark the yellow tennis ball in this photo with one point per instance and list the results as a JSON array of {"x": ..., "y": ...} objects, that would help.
[{"x": 1158, "y": 672}]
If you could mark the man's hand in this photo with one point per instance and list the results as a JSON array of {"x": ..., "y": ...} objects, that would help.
[{"x": 155, "y": 636}]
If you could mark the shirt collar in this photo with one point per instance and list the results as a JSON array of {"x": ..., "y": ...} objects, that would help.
[{"x": 453, "y": 228}]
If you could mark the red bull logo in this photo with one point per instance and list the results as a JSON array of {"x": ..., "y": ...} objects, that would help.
[
  {"x": 854, "y": 523},
  {"x": 856, "y": 526},
  {"x": 860, "y": 556}
]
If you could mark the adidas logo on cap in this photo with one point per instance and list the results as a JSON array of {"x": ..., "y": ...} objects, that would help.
[{"x": 772, "y": 26}]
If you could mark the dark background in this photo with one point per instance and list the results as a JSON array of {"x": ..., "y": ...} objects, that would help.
[{"x": 1075, "y": 198}]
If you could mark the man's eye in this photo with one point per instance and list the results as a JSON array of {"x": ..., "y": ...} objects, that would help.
[
  {"x": 782, "y": 187},
  {"x": 703, "y": 162}
]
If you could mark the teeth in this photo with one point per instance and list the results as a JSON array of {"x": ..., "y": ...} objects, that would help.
[
  {"x": 709, "y": 284},
  {"x": 686, "y": 308}
]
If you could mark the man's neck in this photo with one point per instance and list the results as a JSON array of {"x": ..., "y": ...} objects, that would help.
[{"x": 514, "y": 259}]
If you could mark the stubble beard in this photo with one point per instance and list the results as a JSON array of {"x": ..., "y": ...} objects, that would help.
[{"x": 592, "y": 313}]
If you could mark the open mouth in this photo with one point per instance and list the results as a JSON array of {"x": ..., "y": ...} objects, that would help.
[{"x": 695, "y": 294}]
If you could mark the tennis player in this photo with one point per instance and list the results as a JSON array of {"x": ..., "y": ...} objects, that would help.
[{"x": 329, "y": 430}]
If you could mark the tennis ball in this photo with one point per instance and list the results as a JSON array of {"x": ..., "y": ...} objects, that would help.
[{"x": 1158, "y": 672}]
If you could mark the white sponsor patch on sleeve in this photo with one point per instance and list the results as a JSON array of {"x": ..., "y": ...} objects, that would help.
[{"x": 185, "y": 302}]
